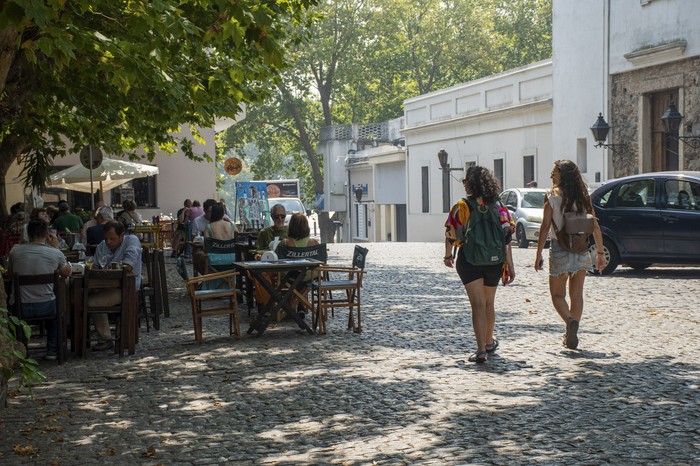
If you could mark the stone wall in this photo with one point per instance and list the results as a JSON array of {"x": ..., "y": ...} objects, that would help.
[{"x": 628, "y": 89}]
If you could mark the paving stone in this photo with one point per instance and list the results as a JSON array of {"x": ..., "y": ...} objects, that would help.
[{"x": 401, "y": 392}]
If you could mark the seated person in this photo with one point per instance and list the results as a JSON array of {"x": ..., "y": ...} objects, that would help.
[
  {"x": 299, "y": 237},
  {"x": 267, "y": 235},
  {"x": 35, "y": 258},
  {"x": 683, "y": 199},
  {"x": 95, "y": 233},
  {"x": 116, "y": 247},
  {"x": 66, "y": 220},
  {"x": 129, "y": 217},
  {"x": 217, "y": 228},
  {"x": 52, "y": 239}
]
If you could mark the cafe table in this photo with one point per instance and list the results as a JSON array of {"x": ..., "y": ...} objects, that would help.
[{"x": 292, "y": 273}]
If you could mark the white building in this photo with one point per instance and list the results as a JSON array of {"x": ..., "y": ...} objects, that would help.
[
  {"x": 502, "y": 122},
  {"x": 371, "y": 158},
  {"x": 626, "y": 59},
  {"x": 178, "y": 178}
]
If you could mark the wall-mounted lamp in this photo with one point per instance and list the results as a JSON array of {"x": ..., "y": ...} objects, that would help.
[
  {"x": 442, "y": 158},
  {"x": 672, "y": 122},
  {"x": 358, "y": 194},
  {"x": 600, "y": 130},
  {"x": 445, "y": 167}
]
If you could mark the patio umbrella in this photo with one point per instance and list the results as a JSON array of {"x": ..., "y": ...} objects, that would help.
[{"x": 110, "y": 174}]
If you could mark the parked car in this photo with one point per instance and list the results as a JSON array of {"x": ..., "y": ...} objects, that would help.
[
  {"x": 651, "y": 218},
  {"x": 526, "y": 205}
]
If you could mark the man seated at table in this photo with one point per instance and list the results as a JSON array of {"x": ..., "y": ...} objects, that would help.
[
  {"x": 67, "y": 221},
  {"x": 116, "y": 247},
  {"x": 95, "y": 233},
  {"x": 200, "y": 223},
  {"x": 37, "y": 258},
  {"x": 267, "y": 235}
]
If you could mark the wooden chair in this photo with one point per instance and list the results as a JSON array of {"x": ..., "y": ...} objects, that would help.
[
  {"x": 328, "y": 281},
  {"x": 60, "y": 289},
  {"x": 318, "y": 252},
  {"x": 151, "y": 292},
  {"x": 200, "y": 294},
  {"x": 98, "y": 279}
]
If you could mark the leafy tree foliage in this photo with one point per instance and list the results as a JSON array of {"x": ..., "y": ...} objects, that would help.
[
  {"x": 365, "y": 57},
  {"x": 126, "y": 75}
]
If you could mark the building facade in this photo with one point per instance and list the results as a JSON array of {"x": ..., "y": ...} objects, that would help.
[
  {"x": 626, "y": 59},
  {"x": 502, "y": 122}
]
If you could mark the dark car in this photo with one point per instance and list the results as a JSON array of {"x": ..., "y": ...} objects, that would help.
[{"x": 651, "y": 218}]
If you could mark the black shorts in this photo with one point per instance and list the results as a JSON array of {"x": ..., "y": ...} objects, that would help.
[{"x": 491, "y": 274}]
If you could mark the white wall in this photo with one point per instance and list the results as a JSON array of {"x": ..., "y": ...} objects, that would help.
[
  {"x": 636, "y": 27},
  {"x": 590, "y": 41},
  {"x": 579, "y": 80},
  {"x": 505, "y": 116},
  {"x": 178, "y": 178}
]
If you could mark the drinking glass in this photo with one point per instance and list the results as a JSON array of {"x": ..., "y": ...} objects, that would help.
[
  {"x": 89, "y": 260},
  {"x": 103, "y": 259}
]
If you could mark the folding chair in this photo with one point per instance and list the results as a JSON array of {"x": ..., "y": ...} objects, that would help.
[
  {"x": 98, "y": 279},
  {"x": 60, "y": 291},
  {"x": 318, "y": 252},
  {"x": 328, "y": 281},
  {"x": 199, "y": 294}
]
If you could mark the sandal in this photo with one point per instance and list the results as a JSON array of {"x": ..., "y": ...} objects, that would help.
[
  {"x": 479, "y": 357},
  {"x": 491, "y": 347}
]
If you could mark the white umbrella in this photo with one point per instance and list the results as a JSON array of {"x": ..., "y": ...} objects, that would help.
[{"x": 110, "y": 174}]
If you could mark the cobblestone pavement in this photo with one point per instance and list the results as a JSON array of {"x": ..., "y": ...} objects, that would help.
[{"x": 399, "y": 393}]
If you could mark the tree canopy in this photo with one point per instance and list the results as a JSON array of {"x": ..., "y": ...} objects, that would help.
[
  {"x": 126, "y": 75},
  {"x": 365, "y": 57}
]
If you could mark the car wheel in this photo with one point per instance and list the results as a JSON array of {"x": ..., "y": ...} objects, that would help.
[
  {"x": 611, "y": 255},
  {"x": 520, "y": 236},
  {"x": 639, "y": 266}
]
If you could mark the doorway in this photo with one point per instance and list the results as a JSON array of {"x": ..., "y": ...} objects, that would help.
[{"x": 664, "y": 150}]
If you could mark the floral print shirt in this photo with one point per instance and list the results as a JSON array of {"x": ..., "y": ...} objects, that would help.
[{"x": 458, "y": 219}]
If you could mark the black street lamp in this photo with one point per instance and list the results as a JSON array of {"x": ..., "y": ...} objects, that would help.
[
  {"x": 672, "y": 123},
  {"x": 445, "y": 167},
  {"x": 358, "y": 194},
  {"x": 600, "y": 130}
]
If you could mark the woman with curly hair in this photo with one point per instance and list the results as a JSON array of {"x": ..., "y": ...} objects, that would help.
[
  {"x": 568, "y": 194},
  {"x": 480, "y": 281}
]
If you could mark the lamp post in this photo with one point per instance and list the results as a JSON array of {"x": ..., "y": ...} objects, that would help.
[
  {"x": 445, "y": 167},
  {"x": 672, "y": 123},
  {"x": 600, "y": 130}
]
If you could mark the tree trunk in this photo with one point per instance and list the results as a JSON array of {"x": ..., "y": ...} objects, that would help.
[
  {"x": 10, "y": 149},
  {"x": 8, "y": 51}
]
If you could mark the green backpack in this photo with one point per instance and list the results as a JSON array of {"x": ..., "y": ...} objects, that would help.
[{"x": 485, "y": 240}]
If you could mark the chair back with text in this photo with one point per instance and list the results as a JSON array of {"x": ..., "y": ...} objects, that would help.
[
  {"x": 220, "y": 254},
  {"x": 318, "y": 252}
]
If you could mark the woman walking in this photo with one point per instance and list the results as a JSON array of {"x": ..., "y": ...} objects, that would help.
[
  {"x": 569, "y": 194},
  {"x": 480, "y": 281}
]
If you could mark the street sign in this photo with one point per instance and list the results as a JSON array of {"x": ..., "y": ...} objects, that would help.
[
  {"x": 233, "y": 166},
  {"x": 96, "y": 157}
]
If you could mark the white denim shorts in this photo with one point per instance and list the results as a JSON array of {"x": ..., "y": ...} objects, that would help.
[{"x": 563, "y": 261}]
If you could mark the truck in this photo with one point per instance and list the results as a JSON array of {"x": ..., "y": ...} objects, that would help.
[
  {"x": 287, "y": 193},
  {"x": 253, "y": 203}
]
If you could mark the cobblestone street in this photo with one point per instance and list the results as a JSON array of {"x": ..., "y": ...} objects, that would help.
[{"x": 401, "y": 392}]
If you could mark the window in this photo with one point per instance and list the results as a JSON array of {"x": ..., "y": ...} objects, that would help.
[
  {"x": 144, "y": 192},
  {"x": 528, "y": 169},
  {"x": 498, "y": 171},
  {"x": 640, "y": 193},
  {"x": 682, "y": 195},
  {"x": 581, "y": 155},
  {"x": 424, "y": 190},
  {"x": 361, "y": 226}
]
